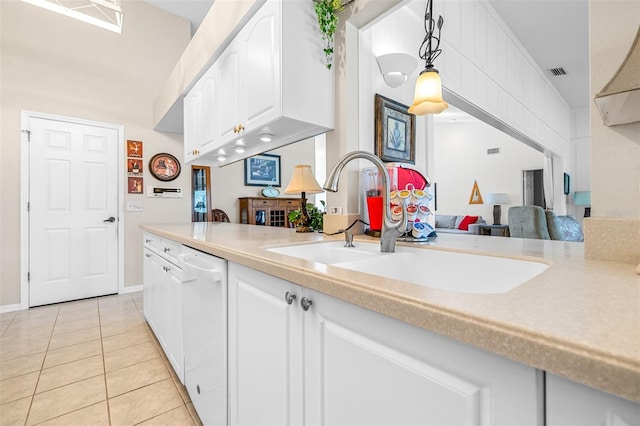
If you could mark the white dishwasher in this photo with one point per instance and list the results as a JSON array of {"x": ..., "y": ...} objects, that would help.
[{"x": 204, "y": 316}]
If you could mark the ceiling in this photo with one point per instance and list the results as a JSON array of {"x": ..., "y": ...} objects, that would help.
[{"x": 554, "y": 32}]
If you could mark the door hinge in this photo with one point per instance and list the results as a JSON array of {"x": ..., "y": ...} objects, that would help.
[
  {"x": 28, "y": 276},
  {"x": 28, "y": 206},
  {"x": 28, "y": 132}
]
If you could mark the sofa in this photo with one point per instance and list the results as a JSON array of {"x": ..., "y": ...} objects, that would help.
[
  {"x": 456, "y": 224},
  {"x": 535, "y": 222}
]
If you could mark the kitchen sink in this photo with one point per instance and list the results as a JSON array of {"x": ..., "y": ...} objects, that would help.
[{"x": 435, "y": 268}]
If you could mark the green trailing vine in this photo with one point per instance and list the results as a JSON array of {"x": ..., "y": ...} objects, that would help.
[{"x": 327, "y": 13}]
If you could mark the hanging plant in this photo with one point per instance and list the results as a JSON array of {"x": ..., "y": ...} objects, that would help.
[{"x": 327, "y": 13}]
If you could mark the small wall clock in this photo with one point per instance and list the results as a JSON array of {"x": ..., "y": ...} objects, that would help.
[
  {"x": 270, "y": 192},
  {"x": 164, "y": 167}
]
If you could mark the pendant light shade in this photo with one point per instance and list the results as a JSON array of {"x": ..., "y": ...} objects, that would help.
[
  {"x": 428, "y": 93},
  {"x": 427, "y": 97}
]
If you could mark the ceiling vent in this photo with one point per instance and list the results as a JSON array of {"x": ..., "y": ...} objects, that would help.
[
  {"x": 491, "y": 151},
  {"x": 558, "y": 71}
]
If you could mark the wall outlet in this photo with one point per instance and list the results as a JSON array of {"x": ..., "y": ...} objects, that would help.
[
  {"x": 334, "y": 210},
  {"x": 134, "y": 206}
]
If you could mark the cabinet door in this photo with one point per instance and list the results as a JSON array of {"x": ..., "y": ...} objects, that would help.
[
  {"x": 190, "y": 125},
  {"x": 570, "y": 403},
  {"x": 153, "y": 274},
  {"x": 261, "y": 44},
  {"x": 173, "y": 324},
  {"x": 365, "y": 368},
  {"x": 231, "y": 93},
  {"x": 208, "y": 114},
  {"x": 265, "y": 349}
]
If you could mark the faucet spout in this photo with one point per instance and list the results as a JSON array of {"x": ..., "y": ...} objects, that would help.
[{"x": 391, "y": 230}]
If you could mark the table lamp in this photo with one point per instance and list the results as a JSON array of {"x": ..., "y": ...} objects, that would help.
[
  {"x": 583, "y": 198},
  {"x": 497, "y": 198},
  {"x": 303, "y": 181}
]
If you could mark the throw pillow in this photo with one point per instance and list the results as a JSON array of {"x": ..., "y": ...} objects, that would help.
[{"x": 468, "y": 220}]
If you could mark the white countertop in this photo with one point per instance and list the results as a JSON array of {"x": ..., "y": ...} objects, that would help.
[{"x": 580, "y": 318}]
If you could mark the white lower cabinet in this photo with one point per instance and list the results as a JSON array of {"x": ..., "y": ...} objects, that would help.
[
  {"x": 337, "y": 363},
  {"x": 163, "y": 299},
  {"x": 570, "y": 403}
]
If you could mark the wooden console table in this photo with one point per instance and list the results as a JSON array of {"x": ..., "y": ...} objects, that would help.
[{"x": 267, "y": 211}]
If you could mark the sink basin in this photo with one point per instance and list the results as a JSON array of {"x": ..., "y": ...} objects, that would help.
[
  {"x": 440, "y": 269},
  {"x": 329, "y": 253}
]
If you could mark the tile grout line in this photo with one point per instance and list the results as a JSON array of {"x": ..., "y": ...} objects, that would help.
[
  {"x": 104, "y": 366},
  {"x": 46, "y": 351}
]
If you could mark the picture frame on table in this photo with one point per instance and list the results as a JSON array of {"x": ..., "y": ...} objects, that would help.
[
  {"x": 395, "y": 131},
  {"x": 262, "y": 170}
]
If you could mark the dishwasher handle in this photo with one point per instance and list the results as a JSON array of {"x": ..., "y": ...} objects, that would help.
[{"x": 199, "y": 268}]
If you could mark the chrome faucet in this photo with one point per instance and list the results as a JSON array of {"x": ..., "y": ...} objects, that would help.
[{"x": 390, "y": 230}]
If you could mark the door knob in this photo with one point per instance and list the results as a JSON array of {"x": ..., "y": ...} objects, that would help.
[{"x": 111, "y": 219}]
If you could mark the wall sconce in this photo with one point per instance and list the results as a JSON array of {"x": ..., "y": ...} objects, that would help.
[
  {"x": 428, "y": 93},
  {"x": 396, "y": 68},
  {"x": 583, "y": 198},
  {"x": 497, "y": 198},
  {"x": 105, "y": 14},
  {"x": 303, "y": 181}
]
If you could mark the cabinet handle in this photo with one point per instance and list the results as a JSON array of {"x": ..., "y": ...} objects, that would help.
[
  {"x": 147, "y": 254},
  {"x": 305, "y": 303},
  {"x": 238, "y": 128},
  {"x": 289, "y": 298},
  {"x": 147, "y": 241},
  {"x": 167, "y": 249}
]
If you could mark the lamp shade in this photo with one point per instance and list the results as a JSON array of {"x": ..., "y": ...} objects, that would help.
[
  {"x": 582, "y": 198},
  {"x": 497, "y": 198},
  {"x": 427, "y": 97},
  {"x": 302, "y": 180}
]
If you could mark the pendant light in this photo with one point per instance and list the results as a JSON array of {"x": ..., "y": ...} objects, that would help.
[{"x": 428, "y": 92}]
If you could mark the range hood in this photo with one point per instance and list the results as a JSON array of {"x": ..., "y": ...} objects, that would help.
[{"x": 619, "y": 101}]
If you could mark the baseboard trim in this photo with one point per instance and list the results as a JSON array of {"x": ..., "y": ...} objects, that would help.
[
  {"x": 10, "y": 308},
  {"x": 131, "y": 289}
]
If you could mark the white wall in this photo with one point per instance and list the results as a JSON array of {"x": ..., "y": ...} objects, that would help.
[
  {"x": 57, "y": 65},
  {"x": 461, "y": 159},
  {"x": 613, "y": 231},
  {"x": 227, "y": 183},
  {"x": 581, "y": 152}
]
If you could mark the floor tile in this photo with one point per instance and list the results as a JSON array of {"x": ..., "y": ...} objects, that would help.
[
  {"x": 78, "y": 305},
  {"x": 22, "y": 365},
  {"x": 82, "y": 314},
  {"x": 17, "y": 331},
  {"x": 194, "y": 414},
  {"x": 72, "y": 353},
  {"x": 143, "y": 404},
  {"x": 61, "y": 340},
  {"x": 116, "y": 317},
  {"x": 135, "y": 376},
  {"x": 14, "y": 413},
  {"x": 15, "y": 348},
  {"x": 93, "y": 415},
  {"x": 177, "y": 416},
  {"x": 130, "y": 355},
  {"x": 124, "y": 340},
  {"x": 18, "y": 387},
  {"x": 120, "y": 327},
  {"x": 71, "y": 372},
  {"x": 184, "y": 394},
  {"x": 79, "y": 324},
  {"x": 63, "y": 400}
]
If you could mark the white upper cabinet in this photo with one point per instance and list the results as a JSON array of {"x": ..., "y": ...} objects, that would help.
[
  {"x": 270, "y": 80},
  {"x": 201, "y": 116}
]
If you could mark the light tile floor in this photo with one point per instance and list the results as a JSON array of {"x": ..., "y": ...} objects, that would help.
[{"x": 87, "y": 362}]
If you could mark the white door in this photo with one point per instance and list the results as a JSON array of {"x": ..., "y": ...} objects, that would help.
[{"x": 73, "y": 199}]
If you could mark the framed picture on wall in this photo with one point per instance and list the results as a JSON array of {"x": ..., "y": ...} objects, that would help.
[
  {"x": 395, "y": 131},
  {"x": 262, "y": 170},
  {"x": 164, "y": 167},
  {"x": 567, "y": 184}
]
